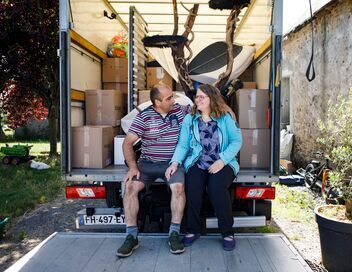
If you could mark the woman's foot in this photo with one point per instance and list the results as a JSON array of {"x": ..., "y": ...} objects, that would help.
[
  {"x": 189, "y": 238},
  {"x": 229, "y": 243}
]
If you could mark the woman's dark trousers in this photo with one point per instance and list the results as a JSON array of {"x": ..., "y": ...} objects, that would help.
[{"x": 197, "y": 180}]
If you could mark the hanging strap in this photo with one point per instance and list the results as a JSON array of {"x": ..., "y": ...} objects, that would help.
[{"x": 310, "y": 73}]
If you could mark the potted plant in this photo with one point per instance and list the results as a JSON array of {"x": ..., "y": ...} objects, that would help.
[{"x": 335, "y": 221}]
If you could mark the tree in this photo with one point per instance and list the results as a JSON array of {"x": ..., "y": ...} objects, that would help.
[
  {"x": 28, "y": 51},
  {"x": 32, "y": 107}
]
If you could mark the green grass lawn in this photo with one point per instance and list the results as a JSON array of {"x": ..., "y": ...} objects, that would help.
[
  {"x": 23, "y": 187},
  {"x": 293, "y": 205}
]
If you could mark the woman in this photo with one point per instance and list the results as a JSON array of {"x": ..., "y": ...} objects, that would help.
[{"x": 208, "y": 144}]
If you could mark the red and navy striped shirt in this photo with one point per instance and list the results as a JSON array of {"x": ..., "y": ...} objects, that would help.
[{"x": 159, "y": 134}]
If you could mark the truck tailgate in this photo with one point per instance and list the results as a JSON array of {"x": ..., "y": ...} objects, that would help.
[{"x": 96, "y": 252}]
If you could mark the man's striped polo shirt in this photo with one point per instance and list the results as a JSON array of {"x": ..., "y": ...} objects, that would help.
[{"x": 159, "y": 135}]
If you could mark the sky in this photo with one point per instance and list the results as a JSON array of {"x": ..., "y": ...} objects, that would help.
[{"x": 296, "y": 12}]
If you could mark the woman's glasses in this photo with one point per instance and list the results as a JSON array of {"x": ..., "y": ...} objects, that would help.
[{"x": 201, "y": 97}]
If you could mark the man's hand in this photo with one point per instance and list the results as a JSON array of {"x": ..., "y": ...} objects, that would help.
[
  {"x": 132, "y": 172},
  {"x": 216, "y": 166},
  {"x": 171, "y": 170}
]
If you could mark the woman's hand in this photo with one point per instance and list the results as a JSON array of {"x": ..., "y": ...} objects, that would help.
[
  {"x": 171, "y": 170},
  {"x": 216, "y": 166}
]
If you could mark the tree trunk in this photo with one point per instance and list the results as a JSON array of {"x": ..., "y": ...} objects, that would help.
[
  {"x": 53, "y": 127},
  {"x": 230, "y": 29},
  {"x": 2, "y": 134},
  {"x": 181, "y": 63}
]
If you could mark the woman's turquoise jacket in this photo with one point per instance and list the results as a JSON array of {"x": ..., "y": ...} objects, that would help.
[{"x": 189, "y": 148}]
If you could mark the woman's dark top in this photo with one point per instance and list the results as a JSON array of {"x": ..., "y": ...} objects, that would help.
[{"x": 209, "y": 138}]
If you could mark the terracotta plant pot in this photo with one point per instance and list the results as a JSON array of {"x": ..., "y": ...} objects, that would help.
[{"x": 335, "y": 242}]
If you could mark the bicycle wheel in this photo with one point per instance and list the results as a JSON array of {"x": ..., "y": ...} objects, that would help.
[{"x": 310, "y": 176}]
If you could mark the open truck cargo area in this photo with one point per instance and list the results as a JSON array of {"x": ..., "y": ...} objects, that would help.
[
  {"x": 96, "y": 252},
  {"x": 91, "y": 159}
]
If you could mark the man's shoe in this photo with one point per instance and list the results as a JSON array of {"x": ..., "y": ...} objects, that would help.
[
  {"x": 128, "y": 246},
  {"x": 188, "y": 240},
  {"x": 229, "y": 245},
  {"x": 176, "y": 246}
]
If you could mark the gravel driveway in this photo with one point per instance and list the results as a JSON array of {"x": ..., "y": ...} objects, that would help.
[{"x": 59, "y": 216}]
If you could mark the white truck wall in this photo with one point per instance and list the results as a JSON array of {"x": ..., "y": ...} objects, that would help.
[
  {"x": 89, "y": 22},
  {"x": 85, "y": 70},
  {"x": 85, "y": 74},
  {"x": 262, "y": 73}
]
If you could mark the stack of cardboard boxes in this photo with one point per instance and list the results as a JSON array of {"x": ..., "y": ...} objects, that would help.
[
  {"x": 92, "y": 144},
  {"x": 154, "y": 75},
  {"x": 252, "y": 106}
]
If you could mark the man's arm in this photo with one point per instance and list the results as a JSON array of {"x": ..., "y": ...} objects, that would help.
[{"x": 130, "y": 157}]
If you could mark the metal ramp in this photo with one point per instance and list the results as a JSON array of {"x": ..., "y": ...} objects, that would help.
[{"x": 96, "y": 252}]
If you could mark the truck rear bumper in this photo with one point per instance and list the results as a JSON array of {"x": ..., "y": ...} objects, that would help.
[
  {"x": 116, "y": 173},
  {"x": 113, "y": 218}
]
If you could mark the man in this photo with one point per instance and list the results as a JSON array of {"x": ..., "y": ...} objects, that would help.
[{"x": 158, "y": 126}]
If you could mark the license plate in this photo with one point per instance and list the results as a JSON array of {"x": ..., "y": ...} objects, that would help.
[{"x": 102, "y": 220}]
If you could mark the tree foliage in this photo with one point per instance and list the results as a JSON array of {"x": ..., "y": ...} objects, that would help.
[
  {"x": 336, "y": 140},
  {"x": 20, "y": 105},
  {"x": 28, "y": 51}
]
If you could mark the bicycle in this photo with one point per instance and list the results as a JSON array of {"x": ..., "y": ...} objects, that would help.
[
  {"x": 316, "y": 176},
  {"x": 330, "y": 194},
  {"x": 316, "y": 171}
]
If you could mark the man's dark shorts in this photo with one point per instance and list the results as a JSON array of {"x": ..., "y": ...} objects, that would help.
[{"x": 150, "y": 171}]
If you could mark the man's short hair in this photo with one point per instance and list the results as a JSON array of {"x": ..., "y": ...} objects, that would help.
[{"x": 155, "y": 92}]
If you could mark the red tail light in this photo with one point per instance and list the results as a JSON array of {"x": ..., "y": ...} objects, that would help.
[
  {"x": 85, "y": 191},
  {"x": 250, "y": 192}
]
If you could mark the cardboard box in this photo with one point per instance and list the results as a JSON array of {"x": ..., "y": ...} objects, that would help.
[
  {"x": 255, "y": 151},
  {"x": 251, "y": 108},
  {"x": 105, "y": 107},
  {"x": 248, "y": 74},
  {"x": 115, "y": 70},
  {"x": 143, "y": 96},
  {"x": 122, "y": 87},
  {"x": 92, "y": 146},
  {"x": 156, "y": 75},
  {"x": 287, "y": 165},
  {"x": 77, "y": 114},
  {"x": 249, "y": 85},
  {"x": 119, "y": 159}
]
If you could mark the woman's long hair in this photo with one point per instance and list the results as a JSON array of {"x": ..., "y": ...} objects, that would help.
[{"x": 218, "y": 106}]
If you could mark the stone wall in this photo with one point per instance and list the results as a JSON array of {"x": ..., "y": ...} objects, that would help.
[{"x": 333, "y": 67}]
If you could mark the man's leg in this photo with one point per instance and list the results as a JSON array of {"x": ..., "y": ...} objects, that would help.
[
  {"x": 131, "y": 203},
  {"x": 178, "y": 201},
  {"x": 131, "y": 207}
]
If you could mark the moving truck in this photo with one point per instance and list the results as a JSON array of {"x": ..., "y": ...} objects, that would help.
[{"x": 87, "y": 162}]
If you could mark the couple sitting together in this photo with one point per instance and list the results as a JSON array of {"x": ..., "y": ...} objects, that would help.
[{"x": 193, "y": 150}]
